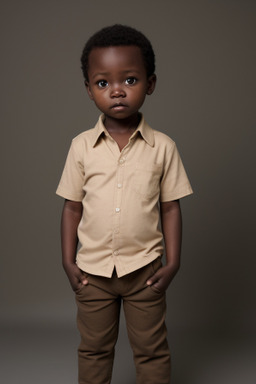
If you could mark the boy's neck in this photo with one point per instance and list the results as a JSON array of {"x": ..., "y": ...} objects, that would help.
[{"x": 122, "y": 125}]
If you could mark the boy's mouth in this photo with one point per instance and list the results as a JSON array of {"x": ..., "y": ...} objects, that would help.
[{"x": 118, "y": 106}]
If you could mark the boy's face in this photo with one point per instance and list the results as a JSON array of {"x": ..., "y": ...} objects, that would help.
[{"x": 118, "y": 82}]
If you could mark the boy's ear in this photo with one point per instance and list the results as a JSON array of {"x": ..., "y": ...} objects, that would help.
[
  {"x": 151, "y": 84},
  {"x": 87, "y": 86}
]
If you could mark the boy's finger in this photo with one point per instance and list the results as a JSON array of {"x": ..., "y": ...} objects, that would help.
[
  {"x": 83, "y": 280},
  {"x": 153, "y": 279}
]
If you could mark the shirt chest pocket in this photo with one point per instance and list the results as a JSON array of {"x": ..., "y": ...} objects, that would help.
[{"x": 146, "y": 180}]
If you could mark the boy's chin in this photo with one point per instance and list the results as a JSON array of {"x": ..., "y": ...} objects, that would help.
[{"x": 121, "y": 115}]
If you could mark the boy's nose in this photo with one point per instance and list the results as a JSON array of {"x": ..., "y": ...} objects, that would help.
[{"x": 117, "y": 91}]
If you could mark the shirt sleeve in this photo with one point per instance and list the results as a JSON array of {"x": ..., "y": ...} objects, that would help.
[
  {"x": 72, "y": 180},
  {"x": 174, "y": 183}
]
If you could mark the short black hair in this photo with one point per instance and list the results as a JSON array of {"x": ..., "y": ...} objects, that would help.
[{"x": 119, "y": 35}]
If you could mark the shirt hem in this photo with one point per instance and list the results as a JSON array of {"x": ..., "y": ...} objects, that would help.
[
  {"x": 120, "y": 271},
  {"x": 68, "y": 196},
  {"x": 176, "y": 196}
]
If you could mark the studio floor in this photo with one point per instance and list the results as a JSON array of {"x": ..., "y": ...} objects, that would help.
[{"x": 46, "y": 354}]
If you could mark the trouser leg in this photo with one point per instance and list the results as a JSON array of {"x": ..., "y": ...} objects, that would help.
[
  {"x": 145, "y": 311},
  {"x": 98, "y": 322}
]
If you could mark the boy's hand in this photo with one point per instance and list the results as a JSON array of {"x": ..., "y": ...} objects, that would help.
[
  {"x": 171, "y": 225},
  {"x": 162, "y": 278},
  {"x": 76, "y": 277}
]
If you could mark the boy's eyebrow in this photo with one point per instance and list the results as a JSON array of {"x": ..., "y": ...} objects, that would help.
[
  {"x": 108, "y": 73},
  {"x": 100, "y": 74}
]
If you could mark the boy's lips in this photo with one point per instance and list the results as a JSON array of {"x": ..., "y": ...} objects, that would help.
[{"x": 118, "y": 106}]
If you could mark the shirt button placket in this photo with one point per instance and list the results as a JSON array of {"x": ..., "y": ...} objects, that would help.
[{"x": 118, "y": 204}]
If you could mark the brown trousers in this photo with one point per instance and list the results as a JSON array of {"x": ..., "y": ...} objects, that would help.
[{"x": 98, "y": 320}]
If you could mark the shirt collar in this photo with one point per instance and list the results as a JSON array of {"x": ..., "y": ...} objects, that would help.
[
  {"x": 98, "y": 130},
  {"x": 145, "y": 130}
]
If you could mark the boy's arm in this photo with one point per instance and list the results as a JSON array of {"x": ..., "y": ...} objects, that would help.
[
  {"x": 172, "y": 231},
  {"x": 71, "y": 216}
]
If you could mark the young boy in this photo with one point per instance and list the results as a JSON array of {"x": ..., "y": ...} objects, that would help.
[{"x": 120, "y": 179}]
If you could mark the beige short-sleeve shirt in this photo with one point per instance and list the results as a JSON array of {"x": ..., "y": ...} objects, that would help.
[{"x": 120, "y": 193}]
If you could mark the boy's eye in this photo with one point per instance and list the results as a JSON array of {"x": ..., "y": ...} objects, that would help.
[
  {"x": 130, "y": 81},
  {"x": 102, "y": 83}
]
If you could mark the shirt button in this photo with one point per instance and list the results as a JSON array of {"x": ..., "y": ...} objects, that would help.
[
  {"x": 121, "y": 161},
  {"x": 116, "y": 230},
  {"x": 119, "y": 185},
  {"x": 117, "y": 209},
  {"x": 116, "y": 253}
]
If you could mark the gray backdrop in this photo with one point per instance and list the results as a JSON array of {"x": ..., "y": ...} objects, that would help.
[{"x": 205, "y": 100}]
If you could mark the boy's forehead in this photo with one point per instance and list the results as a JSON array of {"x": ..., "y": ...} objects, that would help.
[{"x": 107, "y": 57}]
